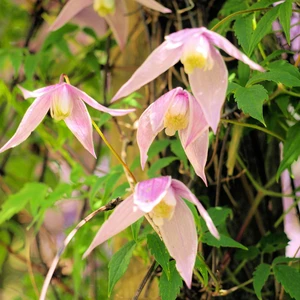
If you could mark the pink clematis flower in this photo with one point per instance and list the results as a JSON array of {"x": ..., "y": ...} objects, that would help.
[
  {"x": 176, "y": 110},
  {"x": 96, "y": 13},
  {"x": 202, "y": 62},
  {"x": 161, "y": 199},
  {"x": 66, "y": 102}
]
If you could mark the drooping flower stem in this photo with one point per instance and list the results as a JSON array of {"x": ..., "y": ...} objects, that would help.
[
  {"x": 236, "y": 14},
  {"x": 126, "y": 168},
  {"x": 66, "y": 78}
]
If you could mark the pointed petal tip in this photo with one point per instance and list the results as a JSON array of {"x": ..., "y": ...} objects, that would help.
[{"x": 85, "y": 254}]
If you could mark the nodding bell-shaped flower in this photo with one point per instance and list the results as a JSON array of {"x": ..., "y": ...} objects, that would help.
[
  {"x": 179, "y": 111},
  {"x": 96, "y": 13},
  {"x": 66, "y": 102},
  {"x": 162, "y": 200},
  {"x": 203, "y": 63}
]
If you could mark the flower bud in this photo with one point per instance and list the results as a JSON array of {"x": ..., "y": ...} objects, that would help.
[
  {"x": 176, "y": 117},
  {"x": 62, "y": 104}
]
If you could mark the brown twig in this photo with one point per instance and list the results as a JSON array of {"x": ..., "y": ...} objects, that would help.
[
  {"x": 111, "y": 205},
  {"x": 144, "y": 281}
]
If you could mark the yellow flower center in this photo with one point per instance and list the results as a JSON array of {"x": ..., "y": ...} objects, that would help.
[
  {"x": 61, "y": 106},
  {"x": 105, "y": 7},
  {"x": 193, "y": 60},
  {"x": 174, "y": 123},
  {"x": 176, "y": 117},
  {"x": 162, "y": 211}
]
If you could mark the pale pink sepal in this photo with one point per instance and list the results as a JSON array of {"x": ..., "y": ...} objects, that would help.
[
  {"x": 159, "y": 61},
  {"x": 210, "y": 97},
  {"x": 118, "y": 23},
  {"x": 79, "y": 122},
  {"x": 151, "y": 122},
  {"x": 149, "y": 193},
  {"x": 197, "y": 122},
  {"x": 197, "y": 152},
  {"x": 154, "y": 5},
  {"x": 123, "y": 216},
  {"x": 36, "y": 93},
  {"x": 32, "y": 118},
  {"x": 291, "y": 219},
  {"x": 89, "y": 18},
  {"x": 184, "y": 192},
  {"x": 93, "y": 103},
  {"x": 180, "y": 237},
  {"x": 229, "y": 48},
  {"x": 70, "y": 10}
]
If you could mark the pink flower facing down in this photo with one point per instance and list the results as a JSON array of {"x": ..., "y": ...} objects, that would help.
[
  {"x": 65, "y": 102},
  {"x": 161, "y": 199},
  {"x": 176, "y": 110},
  {"x": 202, "y": 62},
  {"x": 95, "y": 14}
]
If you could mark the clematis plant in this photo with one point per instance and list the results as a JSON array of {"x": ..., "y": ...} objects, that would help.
[
  {"x": 66, "y": 102},
  {"x": 161, "y": 199},
  {"x": 176, "y": 110},
  {"x": 95, "y": 14},
  {"x": 202, "y": 62}
]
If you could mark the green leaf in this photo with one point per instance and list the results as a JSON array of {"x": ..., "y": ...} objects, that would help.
[
  {"x": 289, "y": 278},
  {"x": 159, "y": 251},
  {"x": 260, "y": 277},
  {"x": 120, "y": 191},
  {"x": 56, "y": 36},
  {"x": 250, "y": 254},
  {"x": 30, "y": 64},
  {"x": 135, "y": 228},
  {"x": 77, "y": 173},
  {"x": 285, "y": 14},
  {"x": 219, "y": 214},
  {"x": 284, "y": 259},
  {"x": 159, "y": 164},
  {"x": 103, "y": 119},
  {"x": 178, "y": 150},
  {"x": 119, "y": 264},
  {"x": 278, "y": 76},
  {"x": 30, "y": 192},
  {"x": 291, "y": 149},
  {"x": 224, "y": 241},
  {"x": 170, "y": 288},
  {"x": 243, "y": 73},
  {"x": 158, "y": 146},
  {"x": 250, "y": 100},
  {"x": 231, "y": 88},
  {"x": 273, "y": 242},
  {"x": 243, "y": 31},
  {"x": 264, "y": 26},
  {"x": 202, "y": 268},
  {"x": 16, "y": 58}
]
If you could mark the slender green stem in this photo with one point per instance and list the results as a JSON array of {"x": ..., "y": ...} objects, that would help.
[
  {"x": 236, "y": 14},
  {"x": 210, "y": 273},
  {"x": 254, "y": 127},
  {"x": 280, "y": 219},
  {"x": 126, "y": 168},
  {"x": 263, "y": 190}
]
